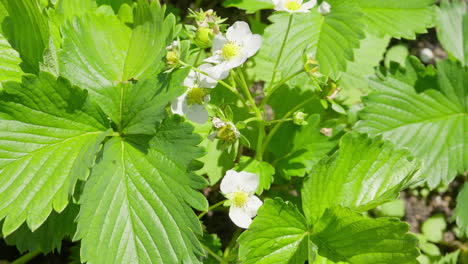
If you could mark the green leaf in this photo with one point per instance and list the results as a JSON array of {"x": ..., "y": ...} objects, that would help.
[
  {"x": 397, "y": 53},
  {"x": 343, "y": 235},
  {"x": 434, "y": 227},
  {"x": 432, "y": 124},
  {"x": 217, "y": 160},
  {"x": 135, "y": 207},
  {"x": 461, "y": 211},
  {"x": 9, "y": 63},
  {"x": 451, "y": 258},
  {"x": 48, "y": 237},
  {"x": 27, "y": 30},
  {"x": 329, "y": 39},
  {"x": 362, "y": 174},
  {"x": 398, "y": 18},
  {"x": 452, "y": 29},
  {"x": 213, "y": 243},
  {"x": 49, "y": 134},
  {"x": 354, "y": 80},
  {"x": 298, "y": 148},
  {"x": 263, "y": 169},
  {"x": 138, "y": 108},
  {"x": 100, "y": 51},
  {"x": 250, "y": 6},
  {"x": 278, "y": 233}
]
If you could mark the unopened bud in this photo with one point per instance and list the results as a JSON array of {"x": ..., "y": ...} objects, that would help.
[
  {"x": 204, "y": 37},
  {"x": 299, "y": 118},
  {"x": 172, "y": 58}
]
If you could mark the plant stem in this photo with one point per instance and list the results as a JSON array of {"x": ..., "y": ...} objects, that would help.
[
  {"x": 278, "y": 125},
  {"x": 27, "y": 257},
  {"x": 275, "y": 68},
  {"x": 214, "y": 255},
  {"x": 211, "y": 208},
  {"x": 279, "y": 121},
  {"x": 198, "y": 57},
  {"x": 267, "y": 96}
]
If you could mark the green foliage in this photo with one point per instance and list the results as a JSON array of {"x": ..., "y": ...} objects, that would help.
[
  {"x": 49, "y": 236},
  {"x": 9, "y": 63},
  {"x": 27, "y": 31},
  {"x": 342, "y": 235},
  {"x": 461, "y": 211},
  {"x": 144, "y": 195},
  {"x": 361, "y": 163},
  {"x": 49, "y": 133},
  {"x": 452, "y": 26},
  {"x": 434, "y": 227},
  {"x": 264, "y": 171},
  {"x": 401, "y": 114},
  {"x": 250, "y": 6},
  {"x": 397, "y": 18},
  {"x": 280, "y": 234}
]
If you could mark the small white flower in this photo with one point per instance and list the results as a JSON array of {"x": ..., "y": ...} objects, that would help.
[
  {"x": 239, "y": 188},
  {"x": 294, "y": 6},
  {"x": 426, "y": 55},
  {"x": 191, "y": 103},
  {"x": 324, "y": 8},
  {"x": 233, "y": 50},
  {"x": 218, "y": 123}
]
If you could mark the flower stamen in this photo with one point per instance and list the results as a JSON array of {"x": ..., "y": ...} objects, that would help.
[
  {"x": 196, "y": 95},
  {"x": 239, "y": 199},
  {"x": 292, "y": 5},
  {"x": 230, "y": 51}
]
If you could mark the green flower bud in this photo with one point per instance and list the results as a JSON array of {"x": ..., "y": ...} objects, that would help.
[
  {"x": 204, "y": 37},
  {"x": 172, "y": 58},
  {"x": 299, "y": 118}
]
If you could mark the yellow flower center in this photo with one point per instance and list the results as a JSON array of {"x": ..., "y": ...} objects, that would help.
[
  {"x": 292, "y": 5},
  {"x": 195, "y": 96},
  {"x": 230, "y": 50},
  {"x": 239, "y": 199}
]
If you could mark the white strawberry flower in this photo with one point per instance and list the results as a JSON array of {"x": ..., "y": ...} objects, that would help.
[
  {"x": 233, "y": 50},
  {"x": 239, "y": 188},
  {"x": 324, "y": 8},
  {"x": 294, "y": 6},
  {"x": 191, "y": 103}
]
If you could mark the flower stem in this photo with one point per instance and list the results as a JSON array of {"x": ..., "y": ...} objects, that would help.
[
  {"x": 267, "y": 96},
  {"x": 275, "y": 68},
  {"x": 211, "y": 208},
  {"x": 278, "y": 125},
  {"x": 27, "y": 257},
  {"x": 214, "y": 255}
]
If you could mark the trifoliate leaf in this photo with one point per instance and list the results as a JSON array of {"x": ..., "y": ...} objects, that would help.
[
  {"x": 100, "y": 51},
  {"x": 343, "y": 235},
  {"x": 250, "y": 6},
  {"x": 263, "y": 169},
  {"x": 9, "y": 63},
  {"x": 48, "y": 237},
  {"x": 432, "y": 124},
  {"x": 329, "y": 39},
  {"x": 354, "y": 80},
  {"x": 362, "y": 174},
  {"x": 278, "y": 234},
  {"x": 49, "y": 134},
  {"x": 452, "y": 29},
  {"x": 461, "y": 211},
  {"x": 27, "y": 31},
  {"x": 135, "y": 207},
  {"x": 398, "y": 18}
]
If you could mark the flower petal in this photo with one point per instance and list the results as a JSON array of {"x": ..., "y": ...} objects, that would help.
[
  {"x": 252, "y": 44},
  {"x": 220, "y": 71},
  {"x": 207, "y": 81},
  {"x": 238, "y": 32},
  {"x": 252, "y": 205},
  {"x": 230, "y": 182},
  {"x": 177, "y": 105},
  {"x": 239, "y": 217},
  {"x": 190, "y": 80},
  {"x": 216, "y": 58},
  {"x": 308, "y": 5},
  {"x": 248, "y": 182},
  {"x": 197, "y": 113},
  {"x": 218, "y": 42}
]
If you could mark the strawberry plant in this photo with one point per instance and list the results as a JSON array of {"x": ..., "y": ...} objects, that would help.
[{"x": 246, "y": 131}]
